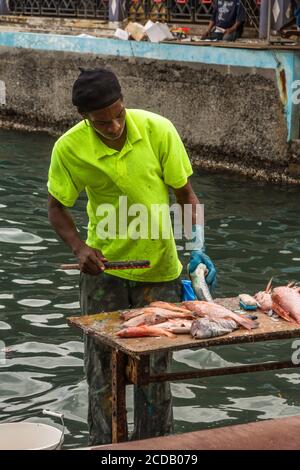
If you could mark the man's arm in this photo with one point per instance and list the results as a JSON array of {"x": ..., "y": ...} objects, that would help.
[
  {"x": 233, "y": 28},
  {"x": 212, "y": 22},
  {"x": 185, "y": 195},
  {"x": 210, "y": 26},
  {"x": 90, "y": 259}
]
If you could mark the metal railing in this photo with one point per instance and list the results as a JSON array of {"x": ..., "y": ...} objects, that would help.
[
  {"x": 62, "y": 8},
  {"x": 179, "y": 11},
  {"x": 184, "y": 11}
]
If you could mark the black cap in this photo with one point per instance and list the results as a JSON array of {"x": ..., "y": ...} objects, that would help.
[{"x": 95, "y": 89}]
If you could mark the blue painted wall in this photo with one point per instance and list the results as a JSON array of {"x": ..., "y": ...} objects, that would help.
[{"x": 288, "y": 61}]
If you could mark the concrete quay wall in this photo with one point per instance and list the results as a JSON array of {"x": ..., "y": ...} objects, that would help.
[{"x": 231, "y": 117}]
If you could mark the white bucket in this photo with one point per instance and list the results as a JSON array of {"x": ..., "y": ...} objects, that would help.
[{"x": 29, "y": 436}]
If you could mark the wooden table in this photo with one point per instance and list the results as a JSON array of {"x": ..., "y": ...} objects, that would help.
[{"x": 130, "y": 356}]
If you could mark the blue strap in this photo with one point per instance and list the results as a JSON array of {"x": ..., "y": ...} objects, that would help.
[{"x": 187, "y": 291}]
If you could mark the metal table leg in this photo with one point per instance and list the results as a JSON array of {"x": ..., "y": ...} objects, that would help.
[{"x": 119, "y": 418}]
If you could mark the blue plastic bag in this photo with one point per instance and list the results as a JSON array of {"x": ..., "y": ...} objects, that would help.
[{"x": 187, "y": 291}]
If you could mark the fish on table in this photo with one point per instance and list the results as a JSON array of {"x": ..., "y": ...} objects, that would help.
[
  {"x": 169, "y": 306},
  {"x": 128, "y": 314},
  {"x": 264, "y": 298},
  {"x": 206, "y": 328},
  {"x": 144, "y": 330},
  {"x": 177, "y": 326},
  {"x": 215, "y": 311},
  {"x": 282, "y": 301},
  {"x": 161, "y": 317},
  {"x": 205, "y": 319},
  {"x": 286, "y": 303},
  {"x": 154, "y": 315},
  {"x": 199, "y": 284}
]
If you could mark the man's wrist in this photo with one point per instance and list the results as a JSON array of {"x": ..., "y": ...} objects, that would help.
[
  {"x": 196, "y": 242},
  {"x": 76, "y": 245}
]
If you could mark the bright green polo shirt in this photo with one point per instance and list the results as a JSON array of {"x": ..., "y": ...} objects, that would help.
[{"x": 152, "y": 160}]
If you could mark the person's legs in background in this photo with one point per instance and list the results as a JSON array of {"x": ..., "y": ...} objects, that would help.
[
  {"x": 97, "y": 294},
  {"x": 235, "y": 35},
  {"x": 215, "y": 36},
  {"x": 153, "y": 414},
  {"x": 230, "y": 37}
]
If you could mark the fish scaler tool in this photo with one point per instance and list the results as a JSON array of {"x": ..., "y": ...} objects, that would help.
[{"x": 134, "y": 264}]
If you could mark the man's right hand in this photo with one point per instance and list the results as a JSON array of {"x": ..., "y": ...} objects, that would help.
[{"x": 90, "y": 260}]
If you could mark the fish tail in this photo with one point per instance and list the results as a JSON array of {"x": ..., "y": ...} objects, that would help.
[
  {"x": 163, "y": 332},
  {"x": 282, "y": 313},
  {"x": 247, "y": 323}
]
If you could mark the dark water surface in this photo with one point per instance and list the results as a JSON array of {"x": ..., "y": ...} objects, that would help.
[{"x": 252, "y": 232}]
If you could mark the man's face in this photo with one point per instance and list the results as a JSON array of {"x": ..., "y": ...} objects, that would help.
[{"x": 109, "y": 122}]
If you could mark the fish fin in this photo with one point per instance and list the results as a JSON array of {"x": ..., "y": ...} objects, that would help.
[
  {"x": 282, "y": 313},
  {"x": 169, "y": 333},
  {"x": 247, "y": 323},
  {"x": 269, "y": 285}
]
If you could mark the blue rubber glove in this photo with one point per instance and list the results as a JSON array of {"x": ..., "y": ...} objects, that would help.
[{"x": 197, "y": 257}]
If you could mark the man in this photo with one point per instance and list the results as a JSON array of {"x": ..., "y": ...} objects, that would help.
[
  {"x": 116, "y": 155},
  {"x": 227, "y": 21},
  {"x": 297, "y": 13}
]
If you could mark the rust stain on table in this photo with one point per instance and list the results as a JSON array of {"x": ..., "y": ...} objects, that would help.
[{"x": 104, "y": 326}]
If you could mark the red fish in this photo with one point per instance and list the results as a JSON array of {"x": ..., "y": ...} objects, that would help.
[
  {"x": 168, "y": 306},
  {"x": 139, "y": 331},
  {"x": 215, "y": 311},
  {"x": 264, "y": 298},
  {"x": 177, "y": 326},
  {"x": 153, "y": 315},
  {"x": 128, "y": 314},
  {"x": 286, "y": 303}
]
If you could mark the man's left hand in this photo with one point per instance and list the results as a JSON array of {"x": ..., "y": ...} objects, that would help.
[{"x": 197, "y": 257}]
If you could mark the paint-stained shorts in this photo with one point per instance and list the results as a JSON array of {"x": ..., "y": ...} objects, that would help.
[{"x": 153, "y": 414}]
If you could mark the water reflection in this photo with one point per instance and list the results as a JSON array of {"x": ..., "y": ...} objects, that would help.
[{"x": 252, "y": 234}]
